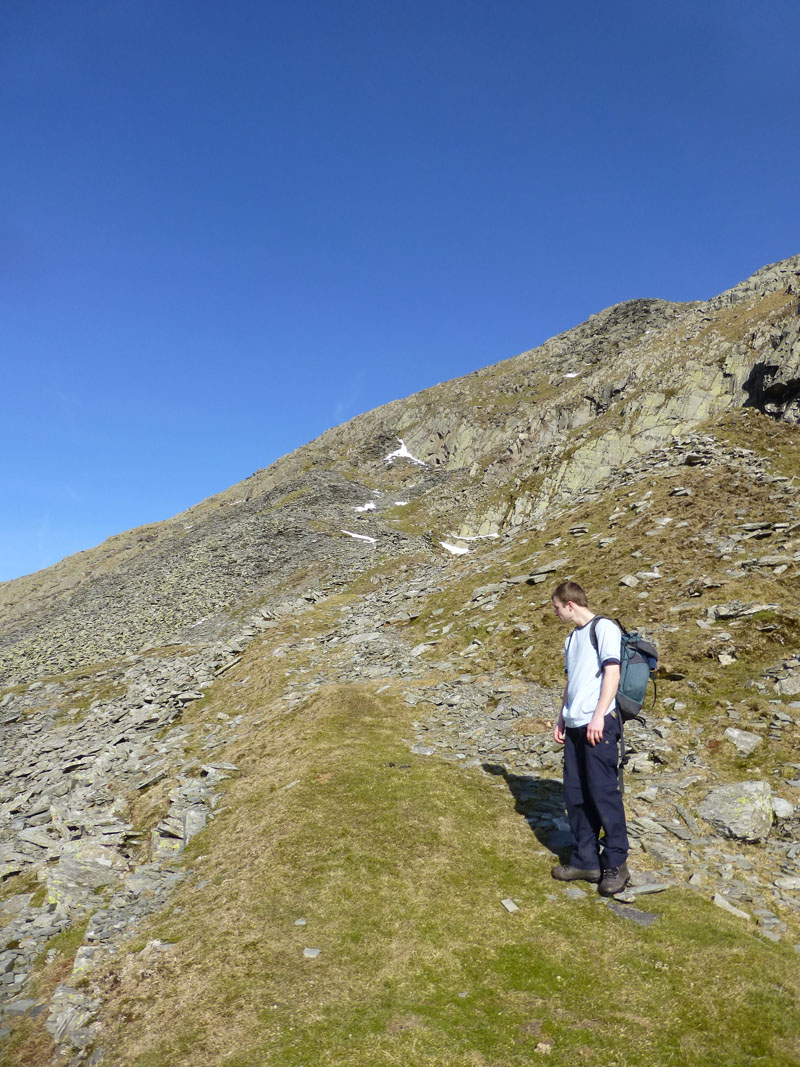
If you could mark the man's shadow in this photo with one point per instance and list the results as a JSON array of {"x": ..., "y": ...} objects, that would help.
[{"x": 540, "y": 801}]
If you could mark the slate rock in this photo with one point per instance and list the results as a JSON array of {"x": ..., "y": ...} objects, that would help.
[
  {"x": 725, "y": 904},
  {"x": 789, "y": 684},
  {"x": 742, "y": 810},
  {"x": 636, "y": 915},
  {"x": 745, "y": 742},
  {"x": 782, "y": 809},
  {"x": 574, "y": 893}
]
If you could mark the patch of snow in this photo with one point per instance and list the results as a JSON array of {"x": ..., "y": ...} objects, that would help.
[
  {"x": 573, "y": 374},
  {"x": 401, "y": 503},
  {"x": 361, "y": 537},
  {"x": 369, "y": 506},
  {"x": 403, "y": 453},
  {"x": 454, "y": 550},
  {"x": 478, "y": 537}
]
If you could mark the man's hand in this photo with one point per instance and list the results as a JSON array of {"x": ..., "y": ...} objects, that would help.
[
  {"x": 608, "y": 690},
  {"x": 594, "y": 731},
  {"x": 558, "y": 730}
]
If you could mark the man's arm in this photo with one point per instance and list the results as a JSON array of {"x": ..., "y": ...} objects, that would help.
[
  {"x": 558, "y": 729},
  {"x": 608, "y": 690}
]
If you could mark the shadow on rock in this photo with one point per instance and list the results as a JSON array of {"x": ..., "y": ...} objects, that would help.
[{"x": 540, "y": 801}]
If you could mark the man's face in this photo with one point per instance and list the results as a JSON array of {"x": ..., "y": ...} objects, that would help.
[{"x": 564, "y": 612}]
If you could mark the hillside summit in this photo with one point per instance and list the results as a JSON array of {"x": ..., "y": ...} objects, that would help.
[{"x": 332, "y": 685}]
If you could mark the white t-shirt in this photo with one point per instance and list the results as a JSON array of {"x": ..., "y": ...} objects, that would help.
[{"x": 584, "y": 668}]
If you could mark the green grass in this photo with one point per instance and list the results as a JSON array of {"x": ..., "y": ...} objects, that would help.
[
  {"x": 399, "y": 865},
  {"x": 67, "y": 943},
  {"x": 777, "y": 442},
  {"x": 24, "y": 882}
]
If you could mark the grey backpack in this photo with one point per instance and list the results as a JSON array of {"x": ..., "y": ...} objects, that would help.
[{"x": 637, "y": 663}]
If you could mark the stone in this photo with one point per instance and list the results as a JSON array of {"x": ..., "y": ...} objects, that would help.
[
  {"x": 737, "y": 610},
  {"x": 635, "y": 915},
  {"x": 38, "y": 837},
  {"x": 782, "y": 809},
  {"x": 771, "y": 935},
  {"x": 789, "y": 684},
  {"x": 418, "y": 650},
  {"x": 725, "y": 904},
  {"x": 311, "y": 953},
  {"x": 21, "y": 1006},
  {"x": 647, "y": 889},
  {"x": 194, "y": 821},
  {"x": 574, "y": 893},
  {"x": 542, "y": 573},
  {"x": 742, "y": 810},
  {"x": 509, "y": 905},
  {"x": 745, "y": 743}
]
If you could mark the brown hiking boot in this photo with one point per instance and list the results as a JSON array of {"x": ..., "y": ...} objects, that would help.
[
  {"x": 565, "y": 873},
  {"x": 614, "y": 880}
]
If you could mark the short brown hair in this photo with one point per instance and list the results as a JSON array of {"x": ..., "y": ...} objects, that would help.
[{"x": 570, "y": 591}]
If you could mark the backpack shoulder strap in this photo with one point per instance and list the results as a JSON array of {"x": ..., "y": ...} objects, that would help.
[
  {"x": 593, "y": 633},
  {"x": 566, "y": 650}
]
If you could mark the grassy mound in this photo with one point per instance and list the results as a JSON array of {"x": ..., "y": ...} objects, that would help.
[{"x": 399, "y": 865}]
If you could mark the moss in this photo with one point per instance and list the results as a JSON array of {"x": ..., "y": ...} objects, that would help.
[
  {"x": 24, "y": 882},
  {"x": 291, "y": 498},
  {"x": 67, "y": 943},
  {"x": 39, "y": 896}
]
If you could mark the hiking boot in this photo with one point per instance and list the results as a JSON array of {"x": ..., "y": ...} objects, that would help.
[
  {"x": 614, "y": 880},
  {"x": 565, "y": 873}
]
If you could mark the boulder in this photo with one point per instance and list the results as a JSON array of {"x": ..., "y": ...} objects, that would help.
[
  {"x": 789, "y": 684},
  {"x": 742, "y": 810}
]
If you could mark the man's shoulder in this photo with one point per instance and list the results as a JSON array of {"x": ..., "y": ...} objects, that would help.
[{"x": 607, "y": 640}]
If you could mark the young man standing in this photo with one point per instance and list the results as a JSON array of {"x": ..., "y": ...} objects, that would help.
[{"x": 589, "y": 728}]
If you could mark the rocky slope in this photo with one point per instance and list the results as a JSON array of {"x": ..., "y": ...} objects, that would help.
[
  {"x": 496, "y": 449},
  {"x": 650, "y": 453}
]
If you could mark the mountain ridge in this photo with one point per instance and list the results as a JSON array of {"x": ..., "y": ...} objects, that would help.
[{"x": 508, "y": 442}]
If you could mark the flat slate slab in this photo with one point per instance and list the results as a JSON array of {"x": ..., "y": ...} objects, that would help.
[{"x": 636, "y": 915}]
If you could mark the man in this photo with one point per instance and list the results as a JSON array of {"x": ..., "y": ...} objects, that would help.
[{"x": 589, "y": 728}]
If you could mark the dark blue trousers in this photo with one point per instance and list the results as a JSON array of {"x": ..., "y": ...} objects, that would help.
[{"x": 593, "y": 797}]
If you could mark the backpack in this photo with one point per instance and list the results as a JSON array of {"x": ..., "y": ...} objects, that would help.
[{"x": 637, "y": 663}]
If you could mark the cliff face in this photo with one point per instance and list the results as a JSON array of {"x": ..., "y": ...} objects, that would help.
[
  {"x": 496, "y": 449},
  {"x": 376, "y": 603}
]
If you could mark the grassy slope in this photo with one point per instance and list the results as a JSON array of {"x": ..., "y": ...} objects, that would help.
[
  {"x": 685, "y": 550},
  {"x": 399, "y": 865}
]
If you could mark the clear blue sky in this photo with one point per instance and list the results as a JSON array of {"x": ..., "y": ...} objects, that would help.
[{"x": 225, "y": 228}]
